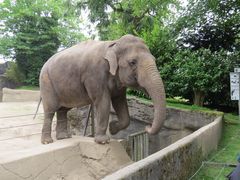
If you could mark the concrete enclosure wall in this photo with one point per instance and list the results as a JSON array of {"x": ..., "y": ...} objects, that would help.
[
  {"x": 179, "y": 123},
  {"x": 13, "y": 95},
  {"x": 192, "y": 136},
  {"x": 177, "y": 161},
  {"x": 185, "y": 140}
]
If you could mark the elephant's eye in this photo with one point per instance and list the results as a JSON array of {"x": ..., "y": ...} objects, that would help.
[{"x": 132, "y": 62}]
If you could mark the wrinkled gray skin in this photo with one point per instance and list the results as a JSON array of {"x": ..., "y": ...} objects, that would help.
[{"x": 99, "y": 72}]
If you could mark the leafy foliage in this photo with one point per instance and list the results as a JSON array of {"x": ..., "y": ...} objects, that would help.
[
  {"x": 194, "y": 55},
  {"x": 119, "y": 17},
  {"x": 212, "y": 24},
  {"x": 33, "y": 31},
  {"x": 137, "y": 93},
  {"x": 199, "y": 71},
  {"x": 14, "y": 74},
  {"x": 212, "y": 27},
  {"x": 194, "y": 51}
]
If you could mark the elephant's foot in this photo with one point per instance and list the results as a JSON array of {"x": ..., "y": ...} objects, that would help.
[
  {"x": 102, "y": 139},
  {"x": 63, "y": 135},
  {"x": 46, "y": 139},
  {"x": 114, "y": 127}
]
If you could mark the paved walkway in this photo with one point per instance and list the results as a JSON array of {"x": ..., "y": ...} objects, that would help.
[{"x": 18, "y": 129}]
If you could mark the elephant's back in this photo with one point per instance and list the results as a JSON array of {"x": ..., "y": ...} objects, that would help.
[
  {"x": 77, "y": 55},
  {"x": 68, "y": 69}
]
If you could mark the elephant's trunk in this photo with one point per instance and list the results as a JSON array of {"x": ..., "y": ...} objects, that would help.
[{"x": 150, "y": 79}]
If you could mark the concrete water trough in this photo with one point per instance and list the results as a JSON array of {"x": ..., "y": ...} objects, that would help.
[{"x": 175, "y": 153}]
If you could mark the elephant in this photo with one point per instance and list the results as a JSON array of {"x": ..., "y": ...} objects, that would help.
[{"x": 98, "y": 73}]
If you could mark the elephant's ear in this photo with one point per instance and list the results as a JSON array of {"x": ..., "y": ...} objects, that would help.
[{"x": 111, "y": 57}]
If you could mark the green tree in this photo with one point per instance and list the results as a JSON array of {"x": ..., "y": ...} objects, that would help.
[
  {"x": 210, "y": 24},
  {"x": 14, "y": 74},
  {"x": 199, "y": 72},
  {"x": 119, "y": 17},
  {"x": 208, "y": 37},
  {"x": 32, "y": 31}
]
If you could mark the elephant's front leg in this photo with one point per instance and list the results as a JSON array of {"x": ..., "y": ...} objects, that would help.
[
  {"x": 121, "y": 108},
  {"x": 102, "y": 105},
  {"x": 61, "y": 128}
]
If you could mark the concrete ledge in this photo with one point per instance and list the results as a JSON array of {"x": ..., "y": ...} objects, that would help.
[
  {"x": 16, "y": 95},
  {"x": 75, "y": 158},
  {"x": 177, "y": 161},
  {"x": 22, "y": 156}
]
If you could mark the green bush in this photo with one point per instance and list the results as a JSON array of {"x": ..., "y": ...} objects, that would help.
[
  {"x": 137, "y": 93},
  {"x": 14, "y": 74}
]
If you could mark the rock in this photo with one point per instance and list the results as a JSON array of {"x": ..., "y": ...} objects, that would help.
[
  {"x": 77, "y": 119},
  {"x": 3, "y": 67}
]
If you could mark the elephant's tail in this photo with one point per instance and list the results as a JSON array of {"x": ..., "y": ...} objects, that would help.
[{"x": 37, "y": 108}]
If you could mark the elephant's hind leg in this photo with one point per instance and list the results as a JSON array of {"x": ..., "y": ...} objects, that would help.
[
  {"x": 47, "y": 128},
  {"x": 50, "y": 105},
  {"x": 61, "y": 128}
]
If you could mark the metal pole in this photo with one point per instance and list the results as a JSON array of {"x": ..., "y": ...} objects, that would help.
[
  {"x": 92, "y": 122},
  {"x": 86, "y": 125},
  {"x": 239, "y": 96}
]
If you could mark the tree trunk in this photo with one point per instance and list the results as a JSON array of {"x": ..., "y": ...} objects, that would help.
[{"x": 198, "y": 97}]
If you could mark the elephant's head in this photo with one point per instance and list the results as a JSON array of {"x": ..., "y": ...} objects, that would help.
[{"x": 130, "y": 59}]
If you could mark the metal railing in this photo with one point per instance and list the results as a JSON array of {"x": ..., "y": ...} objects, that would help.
[{"x": 138, "y": 145}]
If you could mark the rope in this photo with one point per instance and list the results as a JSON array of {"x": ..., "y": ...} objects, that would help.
[
  {"x": 224, "y": 148},
  {"x": 19, "y": 136},
  {"x": 197, "y": 171},
  {"x": 11, "y": 127},
  {"x": 220, "y": 164},
  {"x": 220, "y": 172},
  {"x": 22, "y": 115},
  {"x": 32, "y": 114},
  {"x": 30, "y": 124}
]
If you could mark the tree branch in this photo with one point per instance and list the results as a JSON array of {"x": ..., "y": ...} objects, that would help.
[
  {"x": 115, "y": 9},
  {"x": 143, "y": 14}
]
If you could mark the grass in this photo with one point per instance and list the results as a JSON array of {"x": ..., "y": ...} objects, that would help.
[
  {"x": 28, "y": 88},
  {"x": 227, "y": 152},
  {"x": 192, "y": 107}
]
